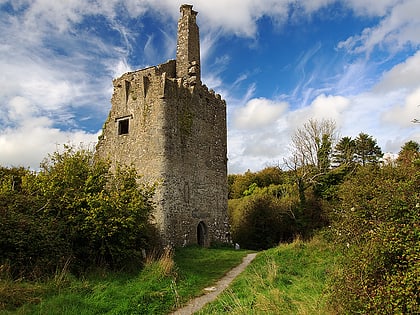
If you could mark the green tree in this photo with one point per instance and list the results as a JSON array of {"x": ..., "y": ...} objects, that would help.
[
  {"x": 344, "y": 152},
  {"x": 324, "y": 152},
  {"x": 29, "y": 243},
  {"x": 262, "y": 220},
  {"x": 409, "y": 153},
  {"x": 366, "y": 149},
  {"x": 240, "y": 183},
  {"x": 271, "y": 175},
  {"x": 104, "y": 214}
]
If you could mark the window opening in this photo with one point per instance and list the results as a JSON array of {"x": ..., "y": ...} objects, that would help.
[
  {"x": 127, "y": 85},
  {"x": 123, "y": 126}
]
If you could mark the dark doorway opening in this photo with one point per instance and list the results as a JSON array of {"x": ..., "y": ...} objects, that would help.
[{"x": 202, "y": 234}]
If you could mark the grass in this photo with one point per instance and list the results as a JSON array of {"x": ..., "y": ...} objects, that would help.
[
  {"x": 161, "y": 286},
  {"x": 289, "y": 279}
]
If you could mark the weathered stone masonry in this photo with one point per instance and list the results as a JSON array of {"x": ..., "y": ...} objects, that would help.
[{"x": 172, "y": 128}]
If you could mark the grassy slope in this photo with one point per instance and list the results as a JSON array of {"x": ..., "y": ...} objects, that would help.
[
  {"x": 289, "y": 279},
  {"x": 157, "y": 289}
]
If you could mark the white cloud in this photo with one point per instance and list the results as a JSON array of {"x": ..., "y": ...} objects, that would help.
[
  {"x": 404, "y": 114},
  {"x": 258, "y": 113},
  {"x": 370, "y": 8},
  {"x": 323, "y": 106},
  {"x": 28, "y": 145},
  {"x": 398, "y": 28},
  {"x": 119, "y": 68},
  {"x": 32, "y": 136},
  {"x": 374, "y": 112},
  {"x": 403, "y": 76}
]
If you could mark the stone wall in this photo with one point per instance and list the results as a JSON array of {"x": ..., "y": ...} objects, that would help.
[
  {"x": 195, "y": 180},
  {"x": 167, "y": 124}
]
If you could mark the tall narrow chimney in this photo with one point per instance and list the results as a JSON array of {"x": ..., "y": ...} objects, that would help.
[{"x": 188, "y": 46}]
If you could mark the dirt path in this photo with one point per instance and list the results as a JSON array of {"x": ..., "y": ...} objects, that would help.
[{"x": 196, "y": 304}]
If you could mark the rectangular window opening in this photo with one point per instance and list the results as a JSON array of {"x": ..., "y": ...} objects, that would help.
[{"x": 123, "y": 126}]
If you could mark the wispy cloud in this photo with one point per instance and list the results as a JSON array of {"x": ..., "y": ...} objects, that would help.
[
  {"x": 57, "y": 71},
  {"x": 398, "y": 28}
]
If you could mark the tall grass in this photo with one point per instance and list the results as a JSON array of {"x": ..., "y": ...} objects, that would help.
[
  {"x": 165, "y": 283},
  {"x": 288, "y": 279}
]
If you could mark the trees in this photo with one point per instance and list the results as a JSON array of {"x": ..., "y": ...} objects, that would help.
[
  {"x": 311, "y": 155},
  {"x": 29, "y": 244},
  {"x": 366, "y": 149},
  {"x": 344, "y": 152},
  {"x": 311, "y": 144},
  {"x": 376, "y": 226},
  {"x": 263, "y": 218},
  {"x": 239, "y": 184},
  {"x": 361, "y": 150},
  {"x": 409, "y": 153},
  {"x": 75, "y": 209},
  {"x": 260, "y": 210}
]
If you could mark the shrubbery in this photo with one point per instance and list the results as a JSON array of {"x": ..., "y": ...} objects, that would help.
[
  {"x": 74, "y": 209},
  {"x": 377, "y": 226},
  {"x": 372, "y": 209},
  {"x": 268, "y": 215},
  {"x": 261, "y": 223}
]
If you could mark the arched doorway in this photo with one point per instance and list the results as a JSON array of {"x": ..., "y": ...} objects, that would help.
[{"x": 202, "y": 234}]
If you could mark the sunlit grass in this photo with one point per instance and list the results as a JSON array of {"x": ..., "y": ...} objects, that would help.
[
  {"x": 289, "y": 279},
  {"x": 163, "y": 284}
]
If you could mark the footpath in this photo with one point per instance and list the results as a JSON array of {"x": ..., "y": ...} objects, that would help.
[{"x": 211, "y": 293}]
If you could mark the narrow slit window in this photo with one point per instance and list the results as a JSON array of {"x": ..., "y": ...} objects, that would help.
[
  {"x": 123, "y": 125},
  {"x": 127, "y": 85}
]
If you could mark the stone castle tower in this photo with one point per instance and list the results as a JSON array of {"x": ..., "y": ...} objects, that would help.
[{"x": 172, "y": 128}]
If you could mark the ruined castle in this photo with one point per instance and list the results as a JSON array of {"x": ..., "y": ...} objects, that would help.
[{"x": 172, "y": 128}]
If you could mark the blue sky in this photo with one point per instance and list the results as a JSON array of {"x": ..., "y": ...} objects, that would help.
[{"x": 277, "y": 63}]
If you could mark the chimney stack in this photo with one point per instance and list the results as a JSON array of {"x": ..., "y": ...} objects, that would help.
[{"x": 188, "y": 46}]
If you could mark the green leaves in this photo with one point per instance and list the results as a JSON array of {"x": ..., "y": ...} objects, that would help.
[
  {"x": 93, "y": 214},
  {"x": 377, "y": 227},
  {"x": 366, "y": 149}
]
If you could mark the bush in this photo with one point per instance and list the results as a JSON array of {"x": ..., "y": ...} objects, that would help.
[
  {"x": 74, "y": 208},
  {"x": 377, "y": 227},
  {"x": 261, "y": 221}
]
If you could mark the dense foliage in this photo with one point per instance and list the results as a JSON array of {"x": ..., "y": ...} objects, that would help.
[
  {"x": 78, "y": 212},
  {"x": 270, "y": 210},
  {"x": 369, "y": 207},
  {"x": 377, "y": 227},
  {"x": 75, "y": 211}
]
